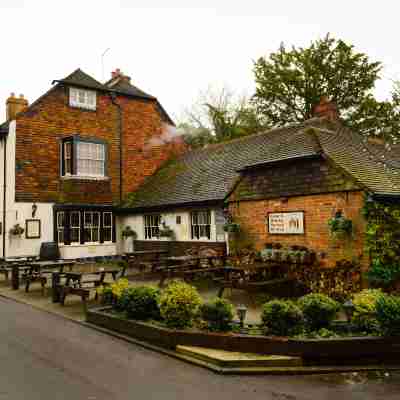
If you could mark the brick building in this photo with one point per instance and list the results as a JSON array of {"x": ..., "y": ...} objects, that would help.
[
  {"x": 281, "y": 186},
  {"x": 69, "y": 158}
]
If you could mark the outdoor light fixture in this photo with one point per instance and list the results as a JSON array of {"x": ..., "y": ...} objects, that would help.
[
  {"x": 348, "y": 308},
  {"x": 241, "y": 312},
  {"x": 34, "y": 209}
]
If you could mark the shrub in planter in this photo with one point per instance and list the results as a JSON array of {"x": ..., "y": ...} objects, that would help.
[
  {"x": 179, "y": 303},
  {"x": 319, "y": 310},
  {"x": 218, "y": 314},
  {"x": 142, "y": 303},
  {"x": 388, "y": 314},
  {"x": 106, "y": 295},
  {"x": 282, "y": 317},
  {"x": 364, "y": 316}
]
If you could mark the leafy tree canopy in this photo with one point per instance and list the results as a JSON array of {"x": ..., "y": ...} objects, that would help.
[{"x": 289, "y": 83}]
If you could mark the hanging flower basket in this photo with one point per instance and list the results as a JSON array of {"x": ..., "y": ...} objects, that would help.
[
  {"x": 340, "y": 226},
  {"x": 17, "y": 230},
  {"x": 232, "y": 227},
  {"x": 129, "y": 232}
]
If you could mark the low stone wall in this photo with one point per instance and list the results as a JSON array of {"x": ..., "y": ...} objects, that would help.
[
  {"x": 178, "y": 248},
  {"x": 315, "y": 351}
]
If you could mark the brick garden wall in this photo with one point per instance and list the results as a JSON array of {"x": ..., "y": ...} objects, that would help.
[{"x": 41, "y": 128}]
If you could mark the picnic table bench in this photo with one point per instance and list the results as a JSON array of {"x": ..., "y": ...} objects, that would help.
[
  {"x": 243, "y": 278},
  {"x": 82, "y": 283},
  {"x": 40, "y": 271},
  {"x": 143, "y": 259}
]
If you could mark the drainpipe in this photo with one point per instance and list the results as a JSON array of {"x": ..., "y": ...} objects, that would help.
[
  {"x": 119, "y": 127},
  {"x": 4, "y": 194}
]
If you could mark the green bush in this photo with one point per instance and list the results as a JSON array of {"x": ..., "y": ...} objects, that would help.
[
  {"x": 364, "y": 316},
  {"x": 142, "y": 303},
  {"x": 218, "y": 314},
  {"x": 388, "y": 314},
  {"x": 179, "y": 304},
  {"x": 282, "y": 317},
  {"x": 319, "y": 310}
]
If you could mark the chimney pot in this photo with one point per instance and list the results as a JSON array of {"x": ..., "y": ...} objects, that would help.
[
  {"x": 15, "y": 105},
  {"x": 326, "y": 108}
]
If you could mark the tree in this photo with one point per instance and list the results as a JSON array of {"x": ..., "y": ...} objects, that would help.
[
  {"x": 218, "y": 116},
  {"x": 289, "y": 83}
]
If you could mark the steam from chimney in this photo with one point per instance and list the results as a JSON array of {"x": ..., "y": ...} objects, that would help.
[{"x": 169, "y": 134}]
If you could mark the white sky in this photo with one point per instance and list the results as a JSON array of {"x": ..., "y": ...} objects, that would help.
[{"x": 175, "y": 51}]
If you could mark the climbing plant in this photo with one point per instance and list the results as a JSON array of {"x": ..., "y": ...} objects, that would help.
[{"x": 382, "y": 241}]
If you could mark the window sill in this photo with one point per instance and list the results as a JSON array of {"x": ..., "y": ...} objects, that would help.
[
  {"x": 85, "y": 178},
  {"x": 86, "y": 244}
]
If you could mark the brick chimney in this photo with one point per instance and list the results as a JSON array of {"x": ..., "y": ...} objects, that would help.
[
  {"x": 117, "y": 76},
  {"x": 327, "y": 109},
  {"x": 15, "y": 105}
]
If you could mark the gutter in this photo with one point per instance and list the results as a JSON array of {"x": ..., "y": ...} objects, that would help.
[
  {"x": 4, "y": 195},
  {"x": 113, "y": 96}
]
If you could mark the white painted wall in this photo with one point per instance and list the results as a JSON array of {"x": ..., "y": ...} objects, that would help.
[
  {"x": 17, "y": 212},
  {"x": 182, "y": 230}
]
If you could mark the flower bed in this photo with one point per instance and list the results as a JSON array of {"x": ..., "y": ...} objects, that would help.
[{"x": 342, "y": 349}]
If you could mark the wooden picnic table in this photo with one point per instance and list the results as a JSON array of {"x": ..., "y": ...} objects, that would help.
[
  {"x": 38, "y": 271},
  {"x": 75, "y": 283},
  {"x": 243, "y": 277},
  {"x": 144, "y": 258}
]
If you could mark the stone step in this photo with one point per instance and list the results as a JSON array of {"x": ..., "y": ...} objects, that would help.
[{"x": 231, "y": 359}]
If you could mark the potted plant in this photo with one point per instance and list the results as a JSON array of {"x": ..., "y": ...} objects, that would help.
[
  {"x": 127, "y": 233},
  {"x": 17, "y": 230}
]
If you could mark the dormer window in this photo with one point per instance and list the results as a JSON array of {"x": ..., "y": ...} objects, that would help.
[{"x": 82, "y": 98}]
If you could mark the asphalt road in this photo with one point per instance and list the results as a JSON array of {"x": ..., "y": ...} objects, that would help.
[{"x": 45, "y": 357}]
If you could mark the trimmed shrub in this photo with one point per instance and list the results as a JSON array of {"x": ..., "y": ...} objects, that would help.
[
  {"x": 364, "y": 316},
  {"x": 388, "y": 314},
  {"x": 142, "y": 303},
  {"x": 282, "y": 317},
  {"x": 218, "y": 314},
  {"x": 319, "y": 310},
  {"x": 106, "y": 294},
  {"x": 179, "y": 303}
]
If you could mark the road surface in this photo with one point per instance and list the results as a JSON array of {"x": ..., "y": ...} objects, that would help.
[{"x": 46, "y": 357}]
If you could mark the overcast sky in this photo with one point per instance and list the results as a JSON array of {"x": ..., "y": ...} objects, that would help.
[{"x": 175, "y": 51}]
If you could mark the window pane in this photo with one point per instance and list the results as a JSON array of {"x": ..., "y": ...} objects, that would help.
[
  {"x": 96, "y": 219},
  {"x": 107, "y": 219}
]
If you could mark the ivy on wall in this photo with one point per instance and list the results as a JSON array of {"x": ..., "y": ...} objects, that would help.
[{"x": 382, "y": 241}]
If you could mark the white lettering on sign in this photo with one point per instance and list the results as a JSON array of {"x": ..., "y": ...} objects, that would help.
[{"x": 286, "y": 223}]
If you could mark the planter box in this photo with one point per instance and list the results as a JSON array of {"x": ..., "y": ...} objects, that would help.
[{"x": 341, "y": 350}]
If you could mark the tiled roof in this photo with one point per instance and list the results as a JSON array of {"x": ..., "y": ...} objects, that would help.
[
  {"x": 375, "y": 168},
  {"x": 80, "y": 78},
  {"x": 4, "y": 128},
  {"x": 124, "y": 87},
  {"x": 209, "y": 174}
]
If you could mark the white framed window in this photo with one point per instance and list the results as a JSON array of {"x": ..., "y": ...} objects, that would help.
[
  {"x": 107, "y": 226},
  {"x": 60, "y": 226},
  {"x": 83, "y": 158},
  {"x": 152, "y": 226},
  {"x": 91, "y": 227},
  {"x": 82, "y": 98},
  {"x": 201, "y": 225},
  {"x": 75, "y": 227},
  {"x": 90, "y": 159}
]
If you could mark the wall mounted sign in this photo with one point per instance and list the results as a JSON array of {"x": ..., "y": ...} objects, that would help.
[
  {"x": 286, "y": 223},
  {"x": 32, "y": 229}
]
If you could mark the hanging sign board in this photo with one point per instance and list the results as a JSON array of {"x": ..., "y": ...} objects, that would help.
[{"x": 286, "y": 223}]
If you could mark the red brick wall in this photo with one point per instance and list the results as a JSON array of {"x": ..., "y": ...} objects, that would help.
[
  {"x": 38, "y": 147},
  {"x": 318, "y": 209}
]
